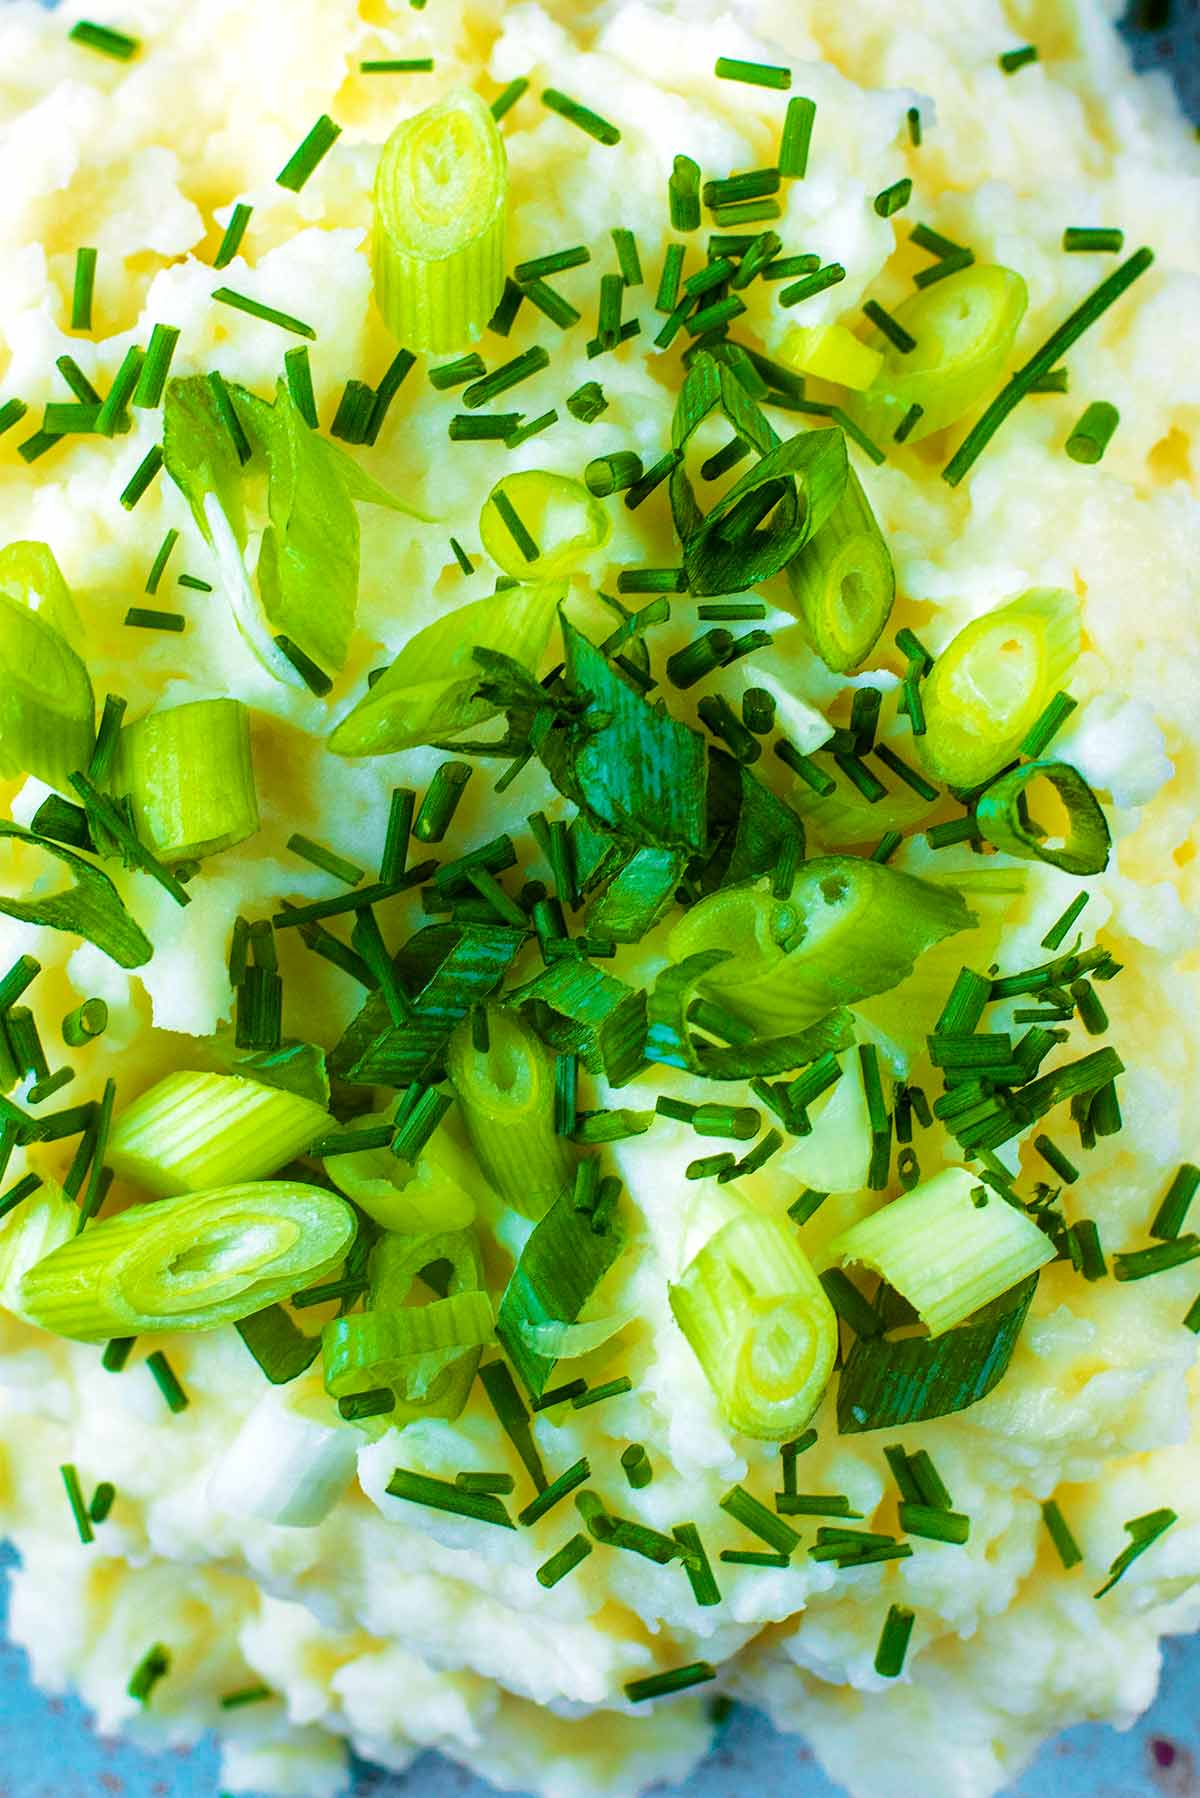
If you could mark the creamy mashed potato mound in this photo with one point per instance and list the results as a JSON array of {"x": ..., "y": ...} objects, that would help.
[{"x": 386, "y": 1627}]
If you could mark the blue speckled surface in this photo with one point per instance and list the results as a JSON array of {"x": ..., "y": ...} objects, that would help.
[{"x": 49, "y": 1748}]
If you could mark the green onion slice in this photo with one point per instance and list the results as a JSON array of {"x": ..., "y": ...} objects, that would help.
[
  {"x": 431, "y": 690},
  {"x": 47, "y": 709},
  {"x": 1079, "y": 846},
  {"x": 188, "y": 774},
  {"x": 434, "y": 1195},
  {"x": 561, "y": 518},
  {"x": 991, "y": 683},
  {"x": 189, "y": 1263},
  {"x": 506, "y": 1092},
  {"x": 760, "y": 1325},
  {"x": 441, "y": 196},
  {"x": 842, "y": 582},
  {"x": 92, "y": 908},
  {"x": 851, "y": 927},
  {"x": 559, "y": 1270},
  {"x": 193, "y": 1132}
]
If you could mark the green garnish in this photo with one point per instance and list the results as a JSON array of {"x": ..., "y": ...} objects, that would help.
[
  {"x": 756, "y": 74},
  {"x": 582, "y": 116},
  {"x": 556, "y": 1491},
  {"x": 106, "y": 39},
  {"x": 79, "y": 1510},
  {"x": 1068, "y": 1550},
  {"x": 1012, "y": 60},
  {"x": 678, "y": 1679},
  {"x": 1043, "y": 360},
  {"x": 796, "y": 137},
  {"x": 443, "y": 1495},
  {"x": 567, "y": 1558},
  {"x": 165, "y": 1378},
  {"x": 1091, "y": 436},
  {"x": 893, "y": 1642},
  {"x": 829, "y": 276},
  {"x": 305, "y": 157},
  {"x": 1140, "y": 1264},
  {"x": 241, "y": 302},
  {"x": 397, "y": 65},
  {"x": 1172, "y": 1212},
  {"x": 894, "y": 198},
  {"x": 11, "y": 413},
  {"x": 82, "y": 292},
  {"x": 1143, "y": 1532},
  {"x": 1087, "y": 237},
  {"x": 913, "y": 118},
  {"x": 587, "y": 402},
  {"x": 635, "y": 1464},
  {"x": 441, "y": 801},
  {"x": 235, "y": 230},
  {"x": 154, "y": 1666},
  {"x": 508, "y": 97},
  {"x": 628, "y": 260},
  {"x": 102, "y": 1501},
  {"x": 596, "y": 1395}
]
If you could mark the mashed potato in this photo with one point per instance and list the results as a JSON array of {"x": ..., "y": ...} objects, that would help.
[{"x": 386, "y": 1627}]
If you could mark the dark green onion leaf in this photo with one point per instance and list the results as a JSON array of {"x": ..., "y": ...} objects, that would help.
[
  {"x": 92, "y": 908},
  {"x": 581, "y": 1010},
  {"x": 639, "y": 896},
  {"x": 281, "y": 1350},
  {"x": 885, "y": 1383},
  {"x": 670, "y": 1042},
  {"x": 1003, "y": 818},
  {"x": 560, "y": 1267}
]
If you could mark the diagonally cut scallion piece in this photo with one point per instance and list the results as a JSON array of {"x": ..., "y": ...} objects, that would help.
[
  {"x": 47, "y": 710},
  {"x": 192, "y": 1132},
  {"x": 440, "y": 213},
  {"x": 1004, "y": 818},
  {"x": 92, "y": 908},
  {"x": 506, "y": 1092},
  {"x": 842, "y": 583},
  {"x": 190, "y": 1263},
  {"x": 560, "y": 1268},
  {"x": 189, "y": 777}
]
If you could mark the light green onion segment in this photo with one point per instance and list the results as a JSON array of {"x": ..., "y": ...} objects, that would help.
[
  {"x": 945, "y": 1253},
  {"x": 32, "y": 1230},
  {"x": 506, "y": 1093},
  {"x": 29, "y": 573},
  {"x": 564, "y": 520},
  {"x": 192, "y": 1132},
  {"x": 964, "y": 327},
  {"x": 189, "y": 776},
  {"x": 992, "y": 682},
  {"x": 440, "y": 212},
  {"x": 426, "y": 1354},
  {"x": 435, "y": 1195},
  {"x": 90, "y": 908},
  {"x": 47, "y": 711},
  {"x": 760, "y": 1325},
  {"x": 431, "y": 690},
  {"x": 842, "y": 583},
  {"x": 1004, "y": 818},
  {"x": 189, "y": 1263},
  {"x": 850, "y": 928}
]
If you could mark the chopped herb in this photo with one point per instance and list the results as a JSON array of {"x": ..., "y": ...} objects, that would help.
[
  {"x": 829, "y": 276},
  {"x": 557, "y": 1490},
  {"x": 304, "y": 159},
  {"x": 893, "y": 1642},
  {"x": 102, "y": 1501},
  {"x": 141, "y": 478},
  {"x": 85, "y": 282},
  {"x": 146, "y": 618},
  {"x": 1170, "y": 1217},
  {"x": 587, "y": 402},
  {"x": 894, "y": 198},
  {"x": 934, "y": 1524},
  {"x": 112, "y": 412},
  {"x": 1093, "y": 433},
  {"x": 1057, "y": 932},
  {"x": 226, "y": 296},
  {"x": 158, "y": 566},
  {"x": 154, "y": 1665},
  {"x": 660, "y": 1685},
  {"x": 1054, "y": 1158},
  {"x": 385, "y": 393},
  {"x": 79, "y": 1509},
  {"x": 235, "y": 230},
  {"x": 1069, "y": 1551},
  {"x": 756, "y": 74},
  {"x": 1086, "y": 237},
  {"x": 116, "y": 1353},
  {"x": 1012, "y": 60},
  {"x": 298, "y": 370},
  {"x": 796, "y": 137},
  {"x": 397, "y": 65},
  {"x": 442, "y": 1495},
  {"x": 564, "y": 1561},
  {"x": 904, "y": 428},
  {"x": 891, "y": 328},
  {"x": 194, "y": 584},
  {"x": 314, "y": 678},
  {"x": 913, "y": 117},
  {"x": 625, "y": 244},
  {"x": 166, "y": 1381},
  {"x": 747, "y": 1510},
  {"x": 1140, "y": 1264},
  {"x": 1143, "y": 1533},
  {"x": 229, "y": 417},
  {"x": 509, "y": 374},
  {"x": 582, "y": 116},
  {"x": 11, "y": 413},
  {"x": 508, "y": 97}
]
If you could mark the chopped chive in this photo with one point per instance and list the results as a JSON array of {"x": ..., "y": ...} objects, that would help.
[
  {"x": 19, "y": 1192},
  {"x": 735, "y": 451},
  {"x": 79, "y": 1512},
  {"x": 394, "y": 376},
  {"x": 748, "y": 212},
  {"x": 298, "y": 370},
  {"x": 814, "y": 1504},
  {"x": 668, "y": 286},
  {"x": 678, "y": 1679},
  {"x": 1171, "y": 1214},
  {"x": 587, "y": 402},
  {"x": 552, "y": 264},
  {"x": 323, "y": 858},
  {"x": 102, "y": 1501},
  {"x": 904, "y": 772},
  {"x": 754, "y": 184},
  {"x": 1086, "y": 1249},
  {"x": 457, "y": 373},
  {"x": 907, "y": 423},
  {"x": 934, "y": 1524},
  {"x": 85, "y": 1023},
  {"x": 564, "y": 1561},
  {"x": 166, "y": 1381},
  {"x": 559, "y": 1395},
  {"x": 1054, "y": 381},
  {"x": 514, "y": 1419},
  {"x": 32, "y": 449},
  {"x": 509, "y": 374},
  {"x": 147, "y": 619},
  {"x": 229, "y": 417},
  {"x": 954, "y": 830},
  {"x": 65, "y": 417},
  {"x": 582, "y": 116},
  {"x": 227, "y": 296},
  {"x": 1092, "y": 1014},
  {"x": 596, "y": 1394},
  {"x": 305, "y": 157},
  {"x": 119, "y": 394},
  {"x": 158, "y": 566},
  {"x": 683, "y": 201},
  {"x": 887, "y": 846},
  {"x": 635, "y": 1463},
  {"x": 756, "y": 74},
  {"x": 753, "y": 1557},
  {"x": 508, "y": 97},
  {"x": 194, "y": 584},
  {"x": 524, "y": 432},
  {"x": 442, "y": 1495},
  {"x": 652, "y": 580},
  {"x": 796, "y": 137},
  {"x": 806, "y": 768},
  {"x": 468, "y": 427},
  {"x": 893, "y": 1642},
  {"x": 235, "y": 230},
  {"x": 710, "y": 318},
  {"x": 653, "y": 478},
  {"x": 784, "y": 266},
  {"x": 894, "y": 198},
  {"x": 499, "y": 1483},
  {"x": 913, "y": 119},
  {"x": 628, "y": 260},
  {"x": 891, "y": 328},
  {"x": 104, "y": 38},
  {"x": 1058, "y": 930},
  {"x": 509, "y": 304},
  {"x": 84, "y": 288},
  {"x": 1054, "y": 1158},
  {"x": 849, "y": 1303},
  {"x": 353, "y": 415},
  {"x": 758, "y": 714},
  {"x": 236, "y": 1701},
  {"x": 1069, "y": 1551},
  {"x": 747, "y": 1510},
  {"x": 690, "y": 664},
  {"x": 154, "y": 1665},
  {"x": 809, "y": 1202},
  {"x": 1044, "y": 359},
  {"x": 1091, "y": 436},
  {"x": 11, "y": 413},
  {"x": 314, "y": 678},
  {"x": 515, "y": 526},
  {"x": 608, "y": 326},
  {"x": 153, "y": 376},
  {"x": 1012, "y": 60},
  {"x": 1140, "y": 1264},
  {"x": 141, "y": 478},
  {"x": 829, "y": 276},
  {"x": 397, "y": 65},
  {"x": 555, "y": 1492},
  {"x": 461, "y": 557},
  {"x": 713, "y": 274},
  {"x": 1084, "y": 237},
  {"x": 1142, "y": 1532},
  {"x": 612, "y": 473}
]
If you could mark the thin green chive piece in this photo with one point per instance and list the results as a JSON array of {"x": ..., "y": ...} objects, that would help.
[
  {"x": 581, "y": 116},
  {"x": 104, "y": 38},
  {"x": 755, "y": 74},
  {"x": 628, "y": 260},
  {"x": 913, "y": 119},
  {"x": 1141, "y": 1264},
  {"x": 397, "y": 65},
  {"x": 167, "y": 1382},
  {"x": 159, "y": 564},
  {"x": 1087, "y": 237},
  {"x": 1043, "y": 360},
  {"x": 152, "y": 379},
  {"x": 612, "y": 473},
  {"x": 1143, "y": 1532},
  {"x": 564, "y": 1561},
  {"x": 314, "y": 678},
  {"x": 1059, "y": 1531},
  {"x": 236, "y": 1701},
  {"x": 443, "y": 1495},
  {"x": 934, "y": 1524},
  {"x": 306, "y": 156},
  {"x": 893, "y": 1642},
  {"x": 84, "y": 288},
  {"x": 385, "y": 393},
  {"x": 298, "y": 369},
  {"x": 102, "y": 1501},
  {"x": 1057, "y": 932},
  {"x": 147, "y": 619},
  {"x": 894, "y": 198},
  {"x": 11, "y": 413},
  {"x": 154, "y": 1666},
  {"x": 587, "y": 402},
  {"x": 85, "y": 1023},
  {"x": 796, "y": 138},
  {"x": 79, "y": 1511},
  {"x": 635, "y": 1463},
  {"x": 558, "y": 1489},
  {"x": 1093, "y": 433},
  {"x": 1054, "y": 1158},
  {"x": 829, "y": 276},
  {"x": 194, "y": 584},
  {"x": 678, "y": 1679},
  {"x": 227, "y": 296},
  {"x": 508, "y": 97},
  {"x": 325, "y": 859},
  {"x": 1171, "y": 1215},
  {"x": 142, "y": 477},
  {"x": 457, "y": 373},
  {"x": 1012, "y": 60},
  {"x": 235, "y": 230},
  {"x": 747, "y": 1510},
  {"x": 891, "y": 328},
  {"x": 509, "y": 374},
  {"x": 112, "y": 411},
  {"x": 229, "y": 417}
]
